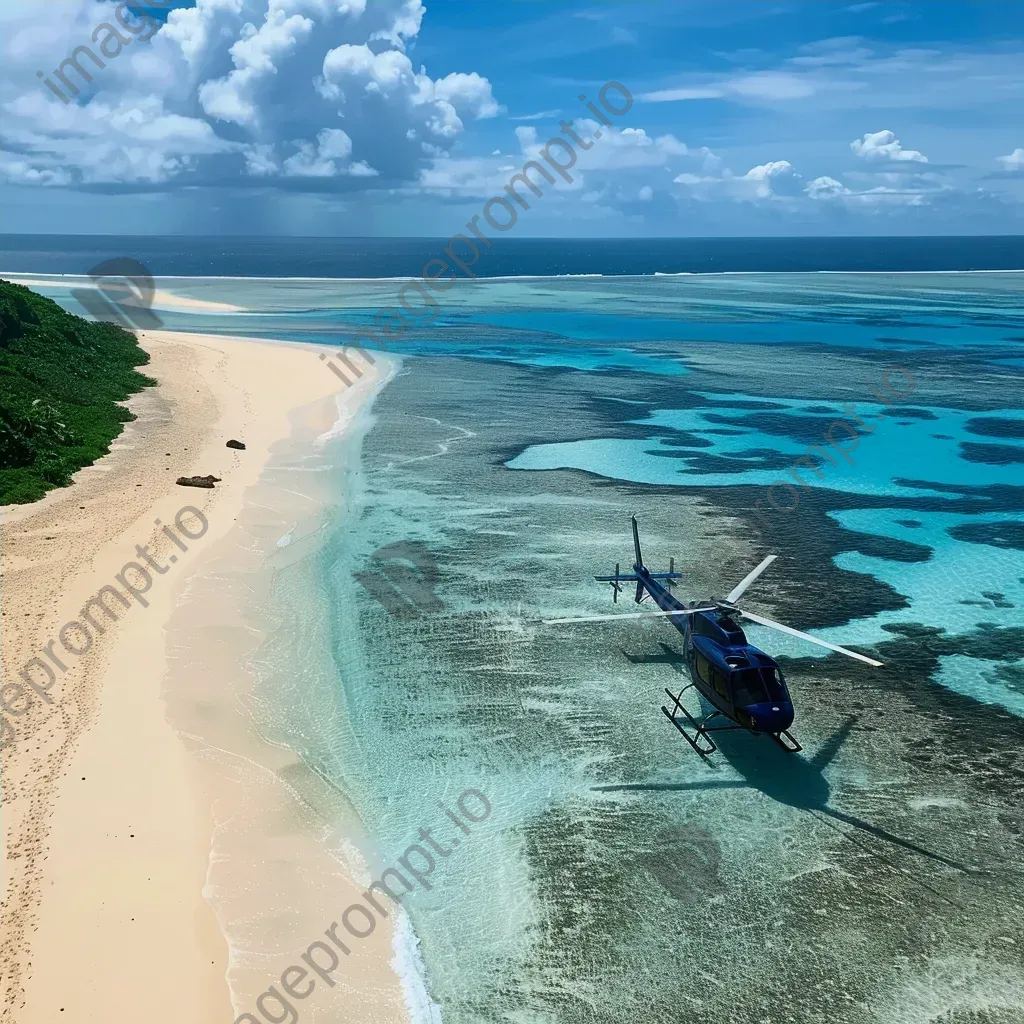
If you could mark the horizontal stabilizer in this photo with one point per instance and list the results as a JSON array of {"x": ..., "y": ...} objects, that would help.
[
  {"x": 634, "y": 578},
  {"x": 627, "y": 615}
]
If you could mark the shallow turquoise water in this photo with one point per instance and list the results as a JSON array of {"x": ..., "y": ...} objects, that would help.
[
  {"x": 615, "y": 326},
  {"x": 898, "y": 449},
  {"x": 618, "y": 846},
  {"x": 912, "y": 456},
  {"x": 961, "y": 587}
]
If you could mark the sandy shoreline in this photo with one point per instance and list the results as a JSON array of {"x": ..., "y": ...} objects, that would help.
[
  {"x": 161, "y": 299},
  {"x": 109, "y": 811}
]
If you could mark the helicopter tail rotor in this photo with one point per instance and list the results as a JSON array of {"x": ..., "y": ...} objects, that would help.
[{"x": 616, "y": 581}]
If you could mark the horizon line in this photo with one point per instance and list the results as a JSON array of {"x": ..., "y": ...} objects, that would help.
[{"x": 519, "y": 239}]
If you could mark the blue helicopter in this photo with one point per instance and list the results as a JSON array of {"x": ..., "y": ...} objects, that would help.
[{"x": 745, "y": 686}]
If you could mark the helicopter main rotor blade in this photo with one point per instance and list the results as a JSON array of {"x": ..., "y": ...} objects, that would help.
[
  {"x": 740, "y": 587},
  {"x": 626, "y": 615},
  {"x": 772, "y": 624}
]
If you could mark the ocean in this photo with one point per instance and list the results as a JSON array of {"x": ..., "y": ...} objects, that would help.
[
  {"x": 872, "y": 878},
  {"x": 508, "y": 257}
]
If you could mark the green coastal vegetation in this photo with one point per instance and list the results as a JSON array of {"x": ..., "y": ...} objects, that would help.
[{"x": 61, "y": 381}]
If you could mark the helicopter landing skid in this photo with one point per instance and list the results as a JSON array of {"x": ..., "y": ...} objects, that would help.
[
  {"x": 700, "y": 728},
  {"x": 789, "y": 744}
]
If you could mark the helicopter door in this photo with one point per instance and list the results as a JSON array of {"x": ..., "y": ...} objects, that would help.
[{"x": 720, "y": 683}]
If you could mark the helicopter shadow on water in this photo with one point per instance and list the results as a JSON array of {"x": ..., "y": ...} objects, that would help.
[{"x": 787, "y": 778}]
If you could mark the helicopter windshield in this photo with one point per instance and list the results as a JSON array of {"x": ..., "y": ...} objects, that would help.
[
  {"x": 776, "y": 685},
  {"x": 756, "y": 686},
  {"x": 748, "y": 687}
]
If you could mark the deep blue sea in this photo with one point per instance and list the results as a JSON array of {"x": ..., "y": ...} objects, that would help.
[{"x": 507, "y": 257}]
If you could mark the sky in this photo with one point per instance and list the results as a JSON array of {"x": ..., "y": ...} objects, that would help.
[{"x": 402, "y": 118}]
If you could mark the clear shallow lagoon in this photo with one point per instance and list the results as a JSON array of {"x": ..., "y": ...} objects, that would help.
[
  {"x": 906, "y": 451},
  {"x": 870, "y": 879},
  {"x": 896, "y": 453}
]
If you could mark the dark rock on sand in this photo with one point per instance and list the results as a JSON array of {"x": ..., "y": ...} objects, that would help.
[
  {"x": 236, "y": 444},
  {"x": 198, "y": 481}
]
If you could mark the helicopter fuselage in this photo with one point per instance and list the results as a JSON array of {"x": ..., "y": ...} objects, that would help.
[{"x": 736, "y": 678}]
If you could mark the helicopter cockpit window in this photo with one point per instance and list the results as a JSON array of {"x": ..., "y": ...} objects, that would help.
[
  {"x": 748, "y": 687},
  {"x": 729, "y": 625},
  {"x": 703, "y": 668},
  {"x": 776, "y": 690}
]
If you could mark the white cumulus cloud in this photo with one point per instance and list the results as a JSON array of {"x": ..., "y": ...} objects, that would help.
[
  {"x": 1013, "y": 162},
  {"x": 306, "y": 94},
  {"x": 323, "y": 160},
  {"x": 826, "y": 188},
  {"x": 884, "y": 145},
  {"x": 777, "y": 177},
  {"x": 776, "y": 181},
  {"x": 470, "y": 93}
]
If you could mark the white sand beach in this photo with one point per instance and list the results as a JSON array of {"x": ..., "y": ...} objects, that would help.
[
  {"x": 161, "y": 299},
  {"x": 109, "y": 813}
]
